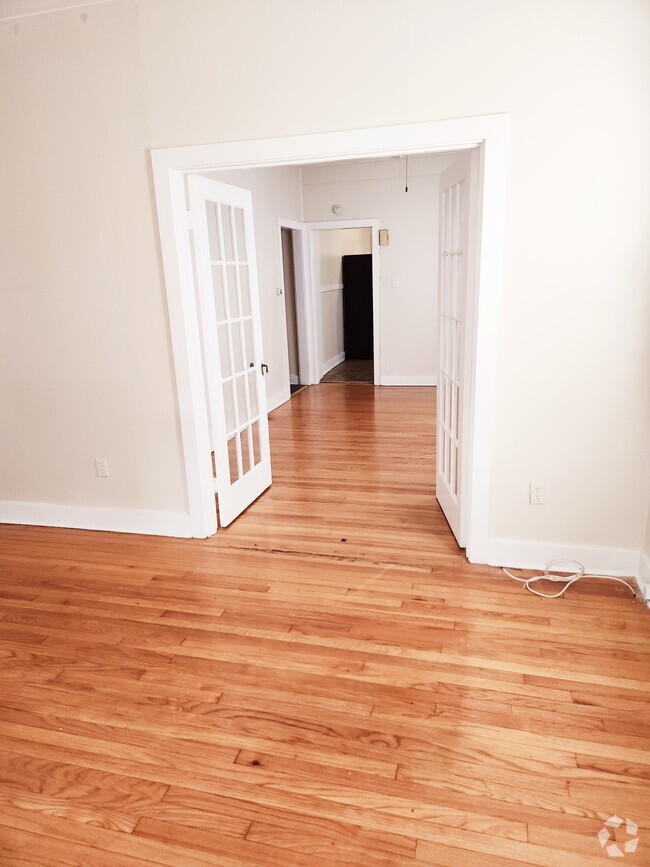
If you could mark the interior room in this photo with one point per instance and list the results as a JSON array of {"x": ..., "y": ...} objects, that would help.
[{"x": 324, "y": 478}]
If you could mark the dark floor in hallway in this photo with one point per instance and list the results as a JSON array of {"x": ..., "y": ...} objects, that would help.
[{"x": 354, "y": 370}]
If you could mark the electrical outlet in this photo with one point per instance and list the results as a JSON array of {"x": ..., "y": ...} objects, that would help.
[
  {"x": 536, "y": 493},
  {"x": 101, "y": 467}
]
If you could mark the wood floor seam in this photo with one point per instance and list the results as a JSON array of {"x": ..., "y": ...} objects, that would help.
[{"x": 325, "y": 681}]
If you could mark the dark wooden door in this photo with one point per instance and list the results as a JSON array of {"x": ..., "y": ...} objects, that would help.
[{"x": 357, "y": 306}]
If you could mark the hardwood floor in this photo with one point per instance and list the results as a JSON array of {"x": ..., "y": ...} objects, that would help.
[{"x": 327, "y": 681}]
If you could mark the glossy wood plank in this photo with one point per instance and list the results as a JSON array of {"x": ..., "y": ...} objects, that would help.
[{"x": 327, "y": 681}]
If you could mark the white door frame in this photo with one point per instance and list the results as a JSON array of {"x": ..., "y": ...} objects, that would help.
[
  {"x": 324, "y": 225},
  {"x": 169, "y": 165},
  {"x": 304, "y": 312}
]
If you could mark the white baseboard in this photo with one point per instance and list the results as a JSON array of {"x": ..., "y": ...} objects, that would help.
[
  {"x": 331, "y": 362},
  {"x": 643, "y": 576},
  {"x": 149, "y": 522},
  {"x": 273, "y": 401},
  {"x": 622, "y": 562},
  {"x": 410, "y": 379}
]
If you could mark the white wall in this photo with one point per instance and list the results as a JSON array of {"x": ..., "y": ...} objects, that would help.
[
  {"x": 276, "y": 193},
  {"x": 86, "y": 361},
  {"x": 85, "y": 358},
  {"x": 408, "y": 328},
  {"x": 328, "y": 248}
]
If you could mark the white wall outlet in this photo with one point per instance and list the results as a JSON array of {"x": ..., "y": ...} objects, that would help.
[
  {"x": 536, "y": 493},
  {"x": 101, "y": 467}
]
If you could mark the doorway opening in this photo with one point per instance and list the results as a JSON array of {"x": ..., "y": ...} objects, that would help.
[
  {"x": 171, "y": 167},
  {"x": 342, "y": 265},
  {"x": 426, "y": 267},
  {"x": 290, "y": 309}
]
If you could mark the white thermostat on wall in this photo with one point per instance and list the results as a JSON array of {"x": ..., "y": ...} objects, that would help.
[{"x": 337, "y": 209}]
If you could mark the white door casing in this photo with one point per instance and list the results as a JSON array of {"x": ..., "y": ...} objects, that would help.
[
  {"x": 226, "y": 271},
  {"x": 301, "y": 266},
  {"x": 171, "y": 166},
  {"x": 457, "y": 190}
]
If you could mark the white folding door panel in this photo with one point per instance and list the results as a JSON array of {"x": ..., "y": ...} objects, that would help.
[
  {"x": 455, "y": 191},
  {"x": 224, "y": 247}
]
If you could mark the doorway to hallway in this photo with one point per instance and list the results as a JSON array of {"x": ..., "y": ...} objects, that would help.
[
  {"x": 342, "y": 265},
  {"x": 344, "y": 300},
  {"x": 358, "y": 324},
  {"x": 172, "y": 166}
]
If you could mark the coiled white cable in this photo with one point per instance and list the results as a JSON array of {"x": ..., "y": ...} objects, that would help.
[{"x": 567, "y": 580}]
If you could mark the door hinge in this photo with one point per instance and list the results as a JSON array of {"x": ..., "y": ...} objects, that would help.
[
  {"x": 265, "y": 369},
  {"x": 188, "y": 219}
]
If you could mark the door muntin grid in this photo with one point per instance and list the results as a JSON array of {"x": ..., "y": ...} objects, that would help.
[
  {"x": 449, "y": 386},
  {"x": 228, "y": 235},
  {"x": 226, "y": 273}
]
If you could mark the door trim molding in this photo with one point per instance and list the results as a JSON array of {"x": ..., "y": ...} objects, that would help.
[
  {"x": 304, "y": 315},
  {"x": 169, "y": 165}
]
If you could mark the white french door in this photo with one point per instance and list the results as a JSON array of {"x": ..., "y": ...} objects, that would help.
[
  {"x": 226, "y": 270},
  {"x": 455, "y": 185}
]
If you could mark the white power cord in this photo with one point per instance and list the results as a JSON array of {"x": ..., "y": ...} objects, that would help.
[{"x": 567, "y": 580}]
